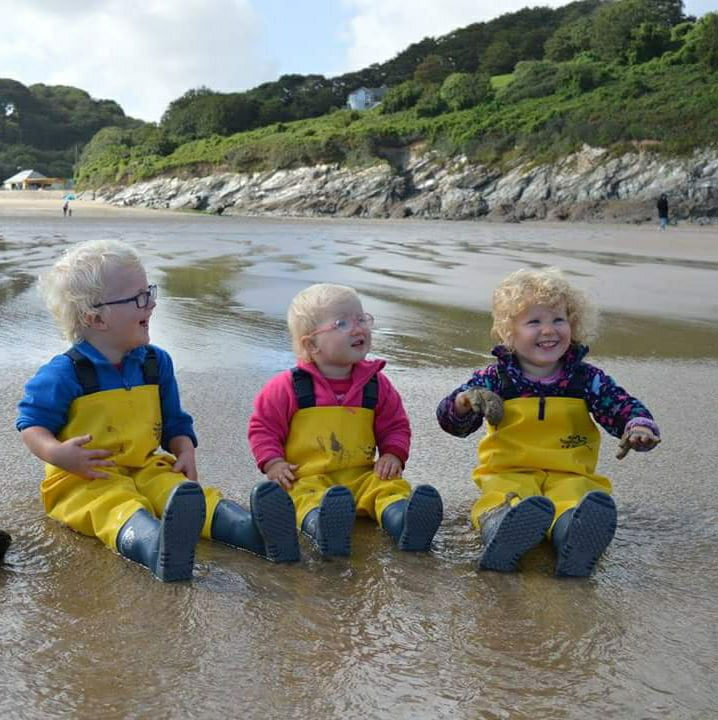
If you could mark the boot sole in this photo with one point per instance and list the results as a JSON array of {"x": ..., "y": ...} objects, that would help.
[
  {"x": 274, "y": 515},
  {"x": 424, "y": 514},
  {"x": 524, "y": 526},
  {"x": 180, "y": 529},
  {"x": 336, "y": 522},
  {"x": 592, "y": 528}
]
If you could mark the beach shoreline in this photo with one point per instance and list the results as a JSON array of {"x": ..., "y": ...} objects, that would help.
[{"x": 691, "y": 242}]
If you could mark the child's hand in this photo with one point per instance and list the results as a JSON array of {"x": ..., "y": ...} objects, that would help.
[
  {"x": 637, "y": 438},
  {"x": 70, "y": 455},
  {"x": 480, "y": 400},
  {"x": 186, "y": 464},
  {"x": 388, "y": 466},
  {"x": 281, "y": 472}
]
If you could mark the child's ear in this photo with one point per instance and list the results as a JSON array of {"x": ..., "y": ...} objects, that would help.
[
  {"x": 94, "y": 320},
  {"x": 309, "y": 346}
]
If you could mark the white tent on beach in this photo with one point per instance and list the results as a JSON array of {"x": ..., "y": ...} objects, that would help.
[{"x": 28, "y": 180}]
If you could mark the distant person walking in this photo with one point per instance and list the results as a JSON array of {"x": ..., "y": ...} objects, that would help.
[
  {"x": 662, "y": 206},
  {"x": 65, "y": 208}
]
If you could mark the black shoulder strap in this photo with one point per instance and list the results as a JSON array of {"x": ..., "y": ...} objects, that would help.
[
  {"x": 371, "y": 393},
  {"x": 507, "y": 387},
  {"x": 85, "y": 371},
  {"x": 151, "y": 367},
  {"x": 87, "y": 374},
  {"x": 303, "y": 388},
  {"x": 577, "y": 386}
]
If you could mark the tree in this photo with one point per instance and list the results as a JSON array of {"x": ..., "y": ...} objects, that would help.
[
  {"x": 432, "y": 70},
  {"x": 648, "y": 40},
  {"x": 568, "y": 41},
  {"x": 461, "y": 91},
  {"x": 499, "y": 57},
  {"x": 614, "y": 24},
  {"x": 707, "y": 45}
]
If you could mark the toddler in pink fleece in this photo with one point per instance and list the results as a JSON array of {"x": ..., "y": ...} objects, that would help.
[{"x": 317, "y": 429}]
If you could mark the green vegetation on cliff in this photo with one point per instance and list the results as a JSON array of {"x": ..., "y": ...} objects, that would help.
[
  {"x": 534, "y": 84},
  {"x": 44, "y": 127}
]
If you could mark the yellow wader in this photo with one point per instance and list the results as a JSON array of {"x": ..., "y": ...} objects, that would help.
[
  {"x": 335, "y": 445},
  {"x": 129, "y": 423},
  {"x": 542, "y": 446}
]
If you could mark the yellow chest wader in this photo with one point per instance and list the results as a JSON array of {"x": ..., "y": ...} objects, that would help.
[
  {"x": 542, "y": 446},
  {"x": 335, "y": 445},
  {"x": 128, "y": 422}
]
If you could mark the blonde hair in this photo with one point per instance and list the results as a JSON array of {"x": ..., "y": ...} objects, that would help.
[
  {"x": 308, "y": 310},
  {"x": 77, "y": 281},
  {"x": 549, "y": 287}
]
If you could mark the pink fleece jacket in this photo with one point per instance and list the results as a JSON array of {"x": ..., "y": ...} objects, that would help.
[{"x": 276, "y": 403}]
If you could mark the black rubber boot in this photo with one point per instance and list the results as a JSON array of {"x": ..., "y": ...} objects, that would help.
[
  {"x": 5, "y": 541},
  {"x": 166, "y": 546},
  {"x": 269, "y": 530},
  {"x": 331, "y": 524},
  {"x": 414, "y": 522},
  {"x": 581, "y": 534},
  {"x": 509, "y": 531}
]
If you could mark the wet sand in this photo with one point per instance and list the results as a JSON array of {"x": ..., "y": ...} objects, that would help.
[{"x": 383, "y": 634}]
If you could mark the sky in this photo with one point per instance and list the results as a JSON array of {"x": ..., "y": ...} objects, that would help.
[{"x": 144, "y": 54}]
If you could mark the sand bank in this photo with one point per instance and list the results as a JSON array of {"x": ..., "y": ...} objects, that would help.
[{"x": 27, "y": 203}]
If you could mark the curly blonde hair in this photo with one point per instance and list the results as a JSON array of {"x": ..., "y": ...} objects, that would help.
[
  {"x": 308, "y": 310},
  {"x": 549, "y": 287},
  {"x": 77, "y": 281}
]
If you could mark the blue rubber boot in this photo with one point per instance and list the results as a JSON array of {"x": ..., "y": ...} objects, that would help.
[
  {"x": 331, "y": 524},
  {"x": 581, "y": 534},
  {"x": 166, "y": 546},
  {"x": 414, "y": 522},
  {"x": 510, "y": 531},
  {"x": 5, "y": 541},
  {"x": 269, "y": 530}
]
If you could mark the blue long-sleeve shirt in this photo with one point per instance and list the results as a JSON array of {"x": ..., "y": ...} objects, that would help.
[{"x": 51, "y": 391}]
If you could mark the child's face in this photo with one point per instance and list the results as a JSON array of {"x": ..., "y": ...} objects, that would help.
[
  {"x": 540, "y": 336},
  {"x": 125, "y": 326},
  {"x": 341, "y": 339}
]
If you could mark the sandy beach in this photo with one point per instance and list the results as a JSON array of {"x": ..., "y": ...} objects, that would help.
[
  {"x": 695, "y": 242},
  {"x": 44, "y": 203}
]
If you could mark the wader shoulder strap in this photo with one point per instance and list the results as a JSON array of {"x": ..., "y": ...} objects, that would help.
[
  {"x": 304, "y": 390},
  {"x": 507, "y": 387},
  {"x": 85, "y": 371},
  {"x": 370, "y": 396},
  {"x": 87, "y": 374},
  {"x": 151, "y": 367},
  {"x": 577, "y": 385}
]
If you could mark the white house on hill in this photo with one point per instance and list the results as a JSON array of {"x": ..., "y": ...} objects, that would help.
[{"x": 366, "y": 98}]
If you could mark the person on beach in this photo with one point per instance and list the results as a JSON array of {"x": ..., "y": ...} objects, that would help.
[
  {"x": 537, "y": 461},
  {"x": 98, "y": 414},
  {"x": 317, "y": 429},
  {"x": 662, "y": 206},
  {"x": 5, "y": 541}
]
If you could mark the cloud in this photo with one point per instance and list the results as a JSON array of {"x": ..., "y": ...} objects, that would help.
[{"x": 141, "y": 55}]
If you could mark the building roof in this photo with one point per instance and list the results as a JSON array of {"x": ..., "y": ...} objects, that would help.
[{"x": 25, "y": 175}]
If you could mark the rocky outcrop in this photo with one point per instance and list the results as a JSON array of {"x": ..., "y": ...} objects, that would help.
[{"x": 586, "y": 186}]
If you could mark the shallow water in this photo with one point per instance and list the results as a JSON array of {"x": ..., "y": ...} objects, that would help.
[{"x": 85, "y": 634}]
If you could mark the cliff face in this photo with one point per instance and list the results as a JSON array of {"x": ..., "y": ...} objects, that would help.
[{"x": 588, "y": 185}]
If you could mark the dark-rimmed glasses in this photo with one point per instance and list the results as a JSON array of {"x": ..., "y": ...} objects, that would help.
[{"x": 142, "y": 299}]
